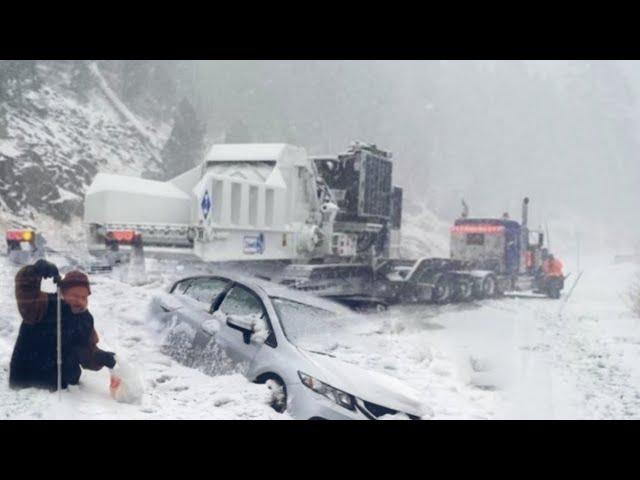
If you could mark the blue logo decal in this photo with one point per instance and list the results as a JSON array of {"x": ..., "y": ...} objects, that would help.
[
  {"x": 205, "y": 204},
  {"x": 254, "y": 244}
]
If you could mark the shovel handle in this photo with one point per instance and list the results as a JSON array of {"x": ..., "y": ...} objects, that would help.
[{"x": 59, "y": 342}]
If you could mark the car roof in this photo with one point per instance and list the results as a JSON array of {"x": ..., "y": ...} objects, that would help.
[{"x": 272, "y": 289}]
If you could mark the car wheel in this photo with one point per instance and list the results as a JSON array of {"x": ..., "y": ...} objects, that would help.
[
  {"x": 375, "y": 307},
  {"x": 381, "y": 307},
  {"x": 368, "y": 307},
  {"x": 278, "y": 391}
]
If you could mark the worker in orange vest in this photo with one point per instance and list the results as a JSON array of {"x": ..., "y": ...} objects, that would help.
[{"x": 552, "y": 267}]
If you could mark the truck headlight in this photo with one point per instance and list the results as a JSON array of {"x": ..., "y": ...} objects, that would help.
[{"x": 338, "y": 396}]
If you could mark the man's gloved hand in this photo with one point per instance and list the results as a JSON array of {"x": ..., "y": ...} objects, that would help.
[
  {"x": 108, "y": 359},
  {"x": 46, "y": 269}
]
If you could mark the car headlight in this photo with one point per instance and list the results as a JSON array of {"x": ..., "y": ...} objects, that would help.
[{"x": 338, "y": 396}]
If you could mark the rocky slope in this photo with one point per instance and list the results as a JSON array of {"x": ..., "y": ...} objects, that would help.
[{"x": 55, "y": 142}]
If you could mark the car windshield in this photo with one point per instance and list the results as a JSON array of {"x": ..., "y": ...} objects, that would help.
[{"x": 305, "y": 325}]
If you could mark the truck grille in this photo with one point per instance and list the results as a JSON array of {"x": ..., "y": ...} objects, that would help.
[{"x": 375, "y": 187}]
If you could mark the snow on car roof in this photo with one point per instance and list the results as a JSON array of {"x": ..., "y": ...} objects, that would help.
[
  {"x": 276, "y": 290},
  {"x": 245, "y": 152}
]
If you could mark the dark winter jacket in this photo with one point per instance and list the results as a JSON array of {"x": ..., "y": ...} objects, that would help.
[{"x": 34, "y": 359}]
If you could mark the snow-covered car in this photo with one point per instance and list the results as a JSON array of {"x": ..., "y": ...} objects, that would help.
[{"x": 274, "y": 333}]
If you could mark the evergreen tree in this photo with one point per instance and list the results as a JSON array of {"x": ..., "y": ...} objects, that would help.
[
  {"x": 3, "y": 122},
  {"x": 185, "y": 145}
]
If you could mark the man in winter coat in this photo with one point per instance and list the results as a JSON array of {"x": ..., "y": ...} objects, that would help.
[{"x": 34, "y": 359}]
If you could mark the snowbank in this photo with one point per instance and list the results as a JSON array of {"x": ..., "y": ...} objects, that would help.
[
  {"x": 171, "y": 390},
  {"x": 505, "y": 358}
]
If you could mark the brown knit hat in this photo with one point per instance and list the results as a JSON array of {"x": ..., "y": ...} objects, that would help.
[{"x": 75, "y": 278}]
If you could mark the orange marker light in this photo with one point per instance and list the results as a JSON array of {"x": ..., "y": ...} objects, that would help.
[
  {"x": 20, "y": 235},
  {"x": 123, "y": 236}
]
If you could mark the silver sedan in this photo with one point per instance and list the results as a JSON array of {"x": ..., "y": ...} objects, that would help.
[{"x": 272, "y": 335}]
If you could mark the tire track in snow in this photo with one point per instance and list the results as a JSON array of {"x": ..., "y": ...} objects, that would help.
[{"x": 605, "y": 386}]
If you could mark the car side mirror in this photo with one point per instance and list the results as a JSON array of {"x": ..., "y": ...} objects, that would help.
[
  {"x": 243, "y": 324},
  {"x": 210, "y": 327}
]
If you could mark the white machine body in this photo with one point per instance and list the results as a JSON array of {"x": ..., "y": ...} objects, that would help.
[{"x": 243, "y": 202}]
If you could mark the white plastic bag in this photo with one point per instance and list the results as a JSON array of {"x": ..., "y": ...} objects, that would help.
[{"x": 126, "y": 385}]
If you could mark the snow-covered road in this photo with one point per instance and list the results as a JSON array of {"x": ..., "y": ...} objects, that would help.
[
  {"x": 544, "y": 358},
  {"x": 508, "y": 358}
]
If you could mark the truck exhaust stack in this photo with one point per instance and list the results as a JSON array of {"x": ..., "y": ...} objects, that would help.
[{"x": 525, "y": 211}]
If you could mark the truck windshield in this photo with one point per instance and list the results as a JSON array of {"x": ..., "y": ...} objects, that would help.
[{"x": 305, "y": 325}]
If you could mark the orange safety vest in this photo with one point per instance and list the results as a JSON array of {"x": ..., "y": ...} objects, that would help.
[{"x": 552, "y": 268}]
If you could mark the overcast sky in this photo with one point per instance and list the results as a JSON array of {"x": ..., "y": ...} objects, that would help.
[{"x": 564, "y": 133}]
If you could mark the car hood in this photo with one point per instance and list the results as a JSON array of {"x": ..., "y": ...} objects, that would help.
[{"x": 367, "y": 385}]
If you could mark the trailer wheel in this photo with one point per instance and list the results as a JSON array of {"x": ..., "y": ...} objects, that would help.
[
  {"x": 442, "y": 291},
  {"x": 464, "y": 290},
  {"x": 487, "y": 287}
]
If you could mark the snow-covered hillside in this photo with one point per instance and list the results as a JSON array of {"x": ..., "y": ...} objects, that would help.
[{"x": 58, "y": 140}]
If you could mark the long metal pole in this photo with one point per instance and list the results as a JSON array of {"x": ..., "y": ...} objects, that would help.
[
  {"x": 566, "y": 298},
  {"x": 59, "y": 346},
  {"x": 578, "y": 252}
]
